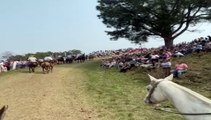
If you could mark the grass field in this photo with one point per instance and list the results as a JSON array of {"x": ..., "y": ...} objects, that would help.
[{"x": 119, "y": 96}]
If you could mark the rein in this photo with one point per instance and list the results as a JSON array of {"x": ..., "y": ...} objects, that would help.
[{"x": 191, "y": 114}]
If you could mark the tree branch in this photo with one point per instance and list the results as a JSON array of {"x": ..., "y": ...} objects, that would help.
[{"x": 189, "y": 19}]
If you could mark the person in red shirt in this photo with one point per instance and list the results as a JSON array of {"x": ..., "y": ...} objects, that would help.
[{"x": 180, "y": 68}]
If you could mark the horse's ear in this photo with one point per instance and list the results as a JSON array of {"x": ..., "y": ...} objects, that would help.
[
  {"x": 170, "y": 77},
  {"x": 152, "y": 78}
]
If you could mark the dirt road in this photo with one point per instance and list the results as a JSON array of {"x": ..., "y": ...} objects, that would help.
[{"x": 36, "y": 96}]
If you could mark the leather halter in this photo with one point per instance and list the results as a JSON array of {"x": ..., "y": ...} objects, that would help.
[{"x": 152, "y": 91}]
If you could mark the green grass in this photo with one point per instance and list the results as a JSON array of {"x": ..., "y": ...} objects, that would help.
[
  {"x": 119, "y": 96},
  {"x": 198, "y": 77}
]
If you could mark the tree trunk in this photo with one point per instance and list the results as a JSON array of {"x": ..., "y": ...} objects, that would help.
[{"x": 168, "y": 43}]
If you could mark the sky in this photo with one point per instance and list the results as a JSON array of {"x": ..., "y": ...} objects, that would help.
[{"x": 29, "y": 26}]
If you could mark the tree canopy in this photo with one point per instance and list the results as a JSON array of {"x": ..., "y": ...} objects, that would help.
[{"x": 137, "y": 20}]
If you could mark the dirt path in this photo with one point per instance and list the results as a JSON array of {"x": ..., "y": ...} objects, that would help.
[{"x": 56, "y": 96}]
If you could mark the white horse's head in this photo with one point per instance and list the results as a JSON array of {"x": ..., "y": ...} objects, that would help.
[{"x": 154, "y": 94}]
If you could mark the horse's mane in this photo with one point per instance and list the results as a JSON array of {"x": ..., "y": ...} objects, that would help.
[{"x": 192, "y": 93}]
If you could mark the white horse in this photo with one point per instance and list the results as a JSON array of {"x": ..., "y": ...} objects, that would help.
[{"x": 190, "y": 104}]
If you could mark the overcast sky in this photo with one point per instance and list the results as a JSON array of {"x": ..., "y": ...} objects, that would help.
[{"x": 29, "y": 26}]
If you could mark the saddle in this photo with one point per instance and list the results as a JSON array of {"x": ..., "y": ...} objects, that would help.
[{"x": 45, "y": 64}]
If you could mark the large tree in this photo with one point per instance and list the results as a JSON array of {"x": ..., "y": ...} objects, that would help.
[{"x": 136, "y": 20}]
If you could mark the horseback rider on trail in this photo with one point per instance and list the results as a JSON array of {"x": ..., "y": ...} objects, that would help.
[
  {"x": 32, "y": 59},
  {"x": 32, "y": 63}
]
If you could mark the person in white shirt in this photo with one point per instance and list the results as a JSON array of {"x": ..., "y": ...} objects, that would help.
[{"x": 32, "y": 59}]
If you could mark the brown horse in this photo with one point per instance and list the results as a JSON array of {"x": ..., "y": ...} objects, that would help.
[
  {"x": 2, "y": 112},
  {"x": 47, "y": 67},
  {"x": 32, "y": 66}
]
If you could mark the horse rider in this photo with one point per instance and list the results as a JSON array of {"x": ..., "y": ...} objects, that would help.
[
  {"x": 47, "y": 64},
  {"x": 32, "y": 59},
  {"x": 32, "y": 63},
  {"x": 48, "y": 59}
]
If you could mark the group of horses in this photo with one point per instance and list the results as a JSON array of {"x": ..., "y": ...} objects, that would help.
[
  {"x": 46, "y": 66},
  {"x": 74, "y": 58}
]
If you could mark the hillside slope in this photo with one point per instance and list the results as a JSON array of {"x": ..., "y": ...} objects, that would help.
[{"x": 120, "y": 95}]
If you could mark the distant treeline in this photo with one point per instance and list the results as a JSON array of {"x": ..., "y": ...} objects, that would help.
[{"x": 41, "y": 55}]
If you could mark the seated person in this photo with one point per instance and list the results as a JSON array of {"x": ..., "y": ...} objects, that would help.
[
  {"x": 105, "y": 64},
  {"x": 180, "y": 68},
  {"x": 113, "y": 63},
  {"x": 126, "y": 66},
  {"x": 178, "y": 54}
]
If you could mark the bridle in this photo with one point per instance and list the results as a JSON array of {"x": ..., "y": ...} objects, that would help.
[
  {"x": 154, "y": 86},
  {"x": 152, "y": 91}
]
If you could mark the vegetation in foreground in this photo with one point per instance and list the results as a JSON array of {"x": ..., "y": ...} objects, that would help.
[{"x": 119, "y": 96}]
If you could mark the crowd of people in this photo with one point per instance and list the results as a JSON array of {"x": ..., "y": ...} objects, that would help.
[
  {"x": 126, "y": 59},
  {"x": 8, "y": 65}
]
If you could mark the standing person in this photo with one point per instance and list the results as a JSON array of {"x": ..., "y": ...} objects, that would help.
[
  {"x": 166, "y": 63},
  {"x": 14, "y": 65},
  {"x": 154, "y": 59},
  {"x": 166, "y": 66},
  {"x": 7, "y": 65}
]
